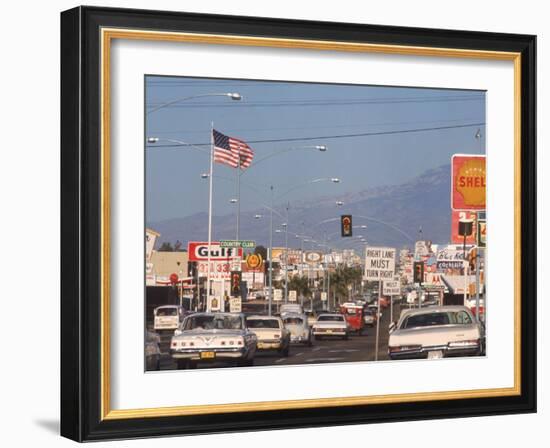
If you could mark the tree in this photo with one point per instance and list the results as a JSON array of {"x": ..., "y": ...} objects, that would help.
[
  {"x": 261, "y": 250},
  {"x": 300, "y": 284},
  {"x": 166, "y": 247},
  {"x": 342, "y": 278}
]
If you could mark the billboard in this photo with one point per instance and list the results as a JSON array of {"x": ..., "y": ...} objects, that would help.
[
  {"x": 312, "y": 257},
  {"x": 468, "y": 182},
  {"x": 456, "y": 216}
]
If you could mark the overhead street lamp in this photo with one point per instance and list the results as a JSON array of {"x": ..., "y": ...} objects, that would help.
[{"x": 232, "y": 95}]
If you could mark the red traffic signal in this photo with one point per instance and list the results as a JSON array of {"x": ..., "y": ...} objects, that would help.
[
  {"x": 418, "y": 272},
  {"x": 236, "y": 277},
  {"x": 346, "y": 225}
]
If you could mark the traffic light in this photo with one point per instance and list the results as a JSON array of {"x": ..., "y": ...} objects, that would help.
[
  {"x": 236, "y": 278},
  {"x": 418, "y": 271},
  {"x": 472, "y": 255},
  {"x": 192, "y": 269},
  {"x": 346, "y": 225}
]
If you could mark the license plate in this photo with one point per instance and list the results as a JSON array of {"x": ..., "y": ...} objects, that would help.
[
  {"x": 208, "y": 355},
  {"x": 329, "y": 331},
  {"x": 437, "y": 354}
]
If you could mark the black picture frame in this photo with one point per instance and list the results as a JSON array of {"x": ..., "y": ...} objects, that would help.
[{"x": 81, "y": 224}]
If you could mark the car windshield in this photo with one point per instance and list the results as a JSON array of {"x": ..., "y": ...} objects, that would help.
[
  {"x": 213, "y": 322},
  {"x": 167, "y": 312},
  {"x": 330, "y": 318},
  {"x": 434, "y": 319},
  {"x": 293, "y": 321},
  {"x": 262, "y": 323}
]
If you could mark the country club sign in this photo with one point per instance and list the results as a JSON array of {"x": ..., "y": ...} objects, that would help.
[{"x": 468, "y": 182}]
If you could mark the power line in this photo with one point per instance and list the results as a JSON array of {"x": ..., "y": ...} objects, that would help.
[
  {"x": 312, "y": 103},
  {"x": 327, "y": 137}
]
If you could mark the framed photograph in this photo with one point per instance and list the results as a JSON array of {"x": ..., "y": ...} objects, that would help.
[{"x": 278, "y": 224}]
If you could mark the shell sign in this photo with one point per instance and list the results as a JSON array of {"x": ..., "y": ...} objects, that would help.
[{"x": 468, "y": 182}]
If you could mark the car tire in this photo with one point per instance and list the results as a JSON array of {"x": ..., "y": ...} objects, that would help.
[
  {"x": 286, "y": 351},
  {"x": 182, "y": 364}
]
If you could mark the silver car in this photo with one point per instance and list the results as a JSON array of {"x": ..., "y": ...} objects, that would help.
[
  {"x": 436, "y": 332},
  {"x": 300, "y": 331},
  {"x": 152, "y": 351},
  {"x": 212, "y": 337}
]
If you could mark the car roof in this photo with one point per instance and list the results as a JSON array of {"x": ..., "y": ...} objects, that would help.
[
  {"x": 330, "y": 314},
  {"x": 261, "y": 317},
  {"x": 434, "y": 309},
  {"x": 168, "y": 306}
]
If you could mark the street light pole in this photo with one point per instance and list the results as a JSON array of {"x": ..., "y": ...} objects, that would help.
[
  {"x": 271, "y": 253},
  {"x": 210, "y": 177},
  {"x": 286, "y": 254}
]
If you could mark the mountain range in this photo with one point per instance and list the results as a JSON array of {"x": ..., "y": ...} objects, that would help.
[{"x": 395, "y": 215}]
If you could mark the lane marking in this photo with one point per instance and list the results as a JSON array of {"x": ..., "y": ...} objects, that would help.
[
  {"x": 347, "y": 350},
  {"x": 316, "y": 349},
  {"x": 323, "y": 359},
  {"x": 299, "y": 354},
  {"x": 280, "y": 359}
]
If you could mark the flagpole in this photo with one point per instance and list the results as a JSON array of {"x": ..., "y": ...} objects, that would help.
[
  {"x": 210, "y": 176},
  {"x": 238, "y": 192}
]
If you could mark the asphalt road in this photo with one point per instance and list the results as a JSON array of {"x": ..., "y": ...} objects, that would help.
[{"x": 356, "y": 348}]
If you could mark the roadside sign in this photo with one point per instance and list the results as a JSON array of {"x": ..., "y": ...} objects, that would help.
[
  {"x": 468, "y": 182},
  {"x": 324, "y": 296},
  {"x": 391, "y": 288},
  {"x": 254, "y": 262},
  {"x": 246, "y": 244},
  {"x": 456, "y": 217},
  {"x": 235, "y": 305},
  {"x": 277, "y": 295},
  {"x": 481, "y": 233},
  {"x": 379, "y": 263},
  {"x": 198, "y": 251},
  {"x": 292, "y": 295}
]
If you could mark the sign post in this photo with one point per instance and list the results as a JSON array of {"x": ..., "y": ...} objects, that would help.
[
  {"x": 379, "y": 265},
  {"x": 392, "y": 288}
]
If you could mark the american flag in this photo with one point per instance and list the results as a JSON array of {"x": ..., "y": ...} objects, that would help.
[{"x": 228, "y": 149}]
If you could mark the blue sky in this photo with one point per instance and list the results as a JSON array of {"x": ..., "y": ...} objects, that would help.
[{"x": 277, "y": 116}]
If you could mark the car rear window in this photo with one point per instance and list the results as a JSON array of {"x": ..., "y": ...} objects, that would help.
[
  {"x": 293, "y": 321},
  {"x": 167, "y": 312},
  {"x": 262, "y": 323},
  {"x": 434, "y": 319},
  {"x": 330, "y": 318}
]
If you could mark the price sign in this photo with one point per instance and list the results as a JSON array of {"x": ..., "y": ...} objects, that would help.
[{"x": 292, "y": 295}]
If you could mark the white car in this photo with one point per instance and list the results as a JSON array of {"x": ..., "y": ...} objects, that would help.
[
  {"x": 330, "y": 325},
  {"x": 436, "y": 332},
  {"x": 209, "y": 337},
  {"x": 271, "y": 333},
  {"x": 167, "y": 317}
]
